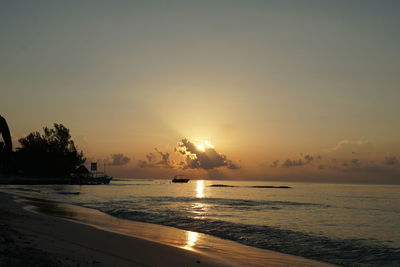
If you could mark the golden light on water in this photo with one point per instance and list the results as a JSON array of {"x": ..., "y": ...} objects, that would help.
[
  {"x": 200, "y": 189},
  {"x": 191, "y": 239}
]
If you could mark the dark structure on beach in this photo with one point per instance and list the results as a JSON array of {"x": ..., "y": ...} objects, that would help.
[{"x": 5, "y": 147}]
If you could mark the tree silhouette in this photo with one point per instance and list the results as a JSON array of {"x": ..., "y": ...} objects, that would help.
[{"x": 52, "y": 153}]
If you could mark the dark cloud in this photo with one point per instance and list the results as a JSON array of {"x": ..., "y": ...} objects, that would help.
[
  {"x": 346, "y": 164},
  {"x": 119, "y": 160},
  {"x": 391, "y": 160},
  {"x": 307, "y": 159},
  {"x": 316, "y": 161},
  {"x": 195, "y": 158},
  {"x": 292, "y": 163},
  {"x": 355, "y": 165},
  {"x": 156, "y": 160}
]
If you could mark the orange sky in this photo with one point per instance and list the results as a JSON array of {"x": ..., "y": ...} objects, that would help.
[{"x": 284, "y": 91}]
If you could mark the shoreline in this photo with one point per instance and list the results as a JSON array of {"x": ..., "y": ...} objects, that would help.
[
  {"x": 174, "y": 246},
  {"x": 33, "y": 239}
]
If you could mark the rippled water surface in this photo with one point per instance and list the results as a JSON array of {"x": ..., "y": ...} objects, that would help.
[{"x": 340, "y": 223}]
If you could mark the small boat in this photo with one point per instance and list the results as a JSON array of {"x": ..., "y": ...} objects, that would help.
[{"x": 180, "y": 178}]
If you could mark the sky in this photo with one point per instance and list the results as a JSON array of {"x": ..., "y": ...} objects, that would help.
[{"x": 257, "y": 90}]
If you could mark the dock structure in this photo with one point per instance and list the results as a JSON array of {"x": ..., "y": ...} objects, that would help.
[{"x": 83, "y": 176}]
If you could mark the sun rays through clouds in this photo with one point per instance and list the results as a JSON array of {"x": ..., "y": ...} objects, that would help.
[{"x": 188, "y": 155}]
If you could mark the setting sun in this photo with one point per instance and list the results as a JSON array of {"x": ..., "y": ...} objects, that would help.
[
  {"x": 205, "y": 145},
  {"x": 201, "y": 147}
]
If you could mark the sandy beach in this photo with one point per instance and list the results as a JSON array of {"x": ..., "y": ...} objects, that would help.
[{"x": 30, "y": 238}]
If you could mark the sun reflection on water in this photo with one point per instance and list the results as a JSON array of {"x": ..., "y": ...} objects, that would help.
[
  {"x": 191, "y": 239},
  {"x": 199, "y": 209},
  {"x": 200, "y": 189}
]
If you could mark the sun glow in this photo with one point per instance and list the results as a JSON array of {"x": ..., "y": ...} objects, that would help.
[
  {"x": 201, "y": 147},
  {"x": 205, "y": 145},
  {"x": 208, "y": 144}
]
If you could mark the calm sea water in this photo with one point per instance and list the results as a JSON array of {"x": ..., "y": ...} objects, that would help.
[{"x": 346, "y": 224}]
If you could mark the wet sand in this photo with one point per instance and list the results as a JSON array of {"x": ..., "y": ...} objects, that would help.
[{"x": 43, "y": 233}]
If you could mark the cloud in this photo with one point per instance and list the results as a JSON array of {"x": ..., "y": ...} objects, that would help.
[
  {"x": 349, "y": 160},
  {"x": 391, "y": 160},
  {"x": 307, "y": 159},
  {"x": 356, "y": 165},
  {"x": 157, "y": 160},
  {"x": 207, "y": 158},
  {"x": 118, "y": 160},
  {"x": 354, "y": 147},
  {"x": 292, "y": 163}
]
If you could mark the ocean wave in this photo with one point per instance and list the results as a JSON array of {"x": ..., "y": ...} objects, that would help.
[
  {"x": 24, "y": 189},
  {"x": 204, "y": 207},
  {"x": 346, "y": 252},
  {"x": 226, "y": 202}
]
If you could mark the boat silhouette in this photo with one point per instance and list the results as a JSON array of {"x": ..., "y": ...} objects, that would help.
[{"x": 180, "y": 178}]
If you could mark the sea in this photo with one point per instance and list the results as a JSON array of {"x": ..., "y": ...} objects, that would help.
[{"x": 343, "y": 224}]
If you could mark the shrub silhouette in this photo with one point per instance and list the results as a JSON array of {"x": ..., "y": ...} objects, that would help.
[{"x": 52, "y": 153}]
